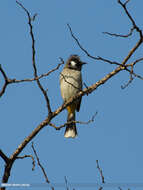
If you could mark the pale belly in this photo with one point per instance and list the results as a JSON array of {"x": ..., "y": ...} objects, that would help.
[{"x": 70, "y": 84}]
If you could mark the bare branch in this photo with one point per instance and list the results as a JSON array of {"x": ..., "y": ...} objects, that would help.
[
  {"x": 128, "y": 83},
  {"x": 120, "y": 35},
  {"x": 48, "y": 119},
  {"x": 85, "y": 91},
  {"x": 100, "y": 171},
  {"x": 40, "y": 165},
  {"x": 78, "y": 43},
  {"x": 89, "y": 90},
  {"x": 4, "y": 157},
  {"x": 28, "y": 156},
  {"x": 6, "y": 81},
  {"x": 130, "y": 17},
  {"x": 69, "y": 122},
  {"x": 10, "y": 81},
  {"x": 138, "y": 60},
  {"x": 41, "y": 76},
  {"x": 132, "y": 73},
  {"x": 130, "y": 80},
  {"x": 108, "y": 61},
  {"x": 86, "y": 52},
  {"x": 33, "y": 57},
  {"x": 132, "y": 51},
  {"x": 126, "y": 2}
]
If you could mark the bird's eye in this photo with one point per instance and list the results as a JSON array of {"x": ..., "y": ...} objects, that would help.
[{"x": 73, "y": 63}]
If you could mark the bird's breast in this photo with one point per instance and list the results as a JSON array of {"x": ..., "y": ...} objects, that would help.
[{"x": 70, "y": 83}]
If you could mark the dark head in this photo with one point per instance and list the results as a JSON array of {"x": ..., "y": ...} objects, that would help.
[{"x": 74, "y": 63}]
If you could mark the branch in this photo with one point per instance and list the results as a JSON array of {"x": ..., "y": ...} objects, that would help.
[
  {"x": 7, "y": 81},
  {"x": 40, "y": 165},
  {"x": 51, "y": 115},
  {"x": 33, "y": 57},
  {"x": 42, "y": 75},
  {"x": 138, "y": 60},
  {"x": 130, "y": 17},
  {"x": 86, "y": 52},
  {"x": 78, "y": 43},
  {"x": 100, "y": 171},
  {"x": 48, "y": 119},
  {"x": 28, "y": 156},
  {"x": 132, "y": 51},
  {"x": 134, "y": 26},
  {"x": 11, "y": 81},
  {"x": 88, "y": 90},
  {"x": 42, "y": 168},
  {"x": 130, "y": 80},
  {"x": 120, "y": 35},
  {"x": 80, "y": 122},
  {"x": 101, "y": 174},
  {"x": 4, "y": 157}
]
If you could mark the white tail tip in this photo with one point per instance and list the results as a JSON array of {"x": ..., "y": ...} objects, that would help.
[{"x": 70, "y": 134}]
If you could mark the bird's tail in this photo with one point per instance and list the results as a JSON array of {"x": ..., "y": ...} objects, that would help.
[{"x": 71, "y": 131}]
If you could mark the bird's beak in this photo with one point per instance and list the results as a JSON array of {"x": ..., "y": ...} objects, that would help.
[{"x": 83, "y": 63}]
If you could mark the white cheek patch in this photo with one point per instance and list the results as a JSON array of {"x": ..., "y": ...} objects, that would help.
[{"x": 73, "y": 63}]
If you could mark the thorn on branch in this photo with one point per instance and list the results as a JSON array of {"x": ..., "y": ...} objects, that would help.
[{"x": 28, "y": 156}]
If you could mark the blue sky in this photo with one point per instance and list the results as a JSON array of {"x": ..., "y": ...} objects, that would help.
[{"x": 115, "y": 138}]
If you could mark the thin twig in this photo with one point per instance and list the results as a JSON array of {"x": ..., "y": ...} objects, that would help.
[
  {"x": 100, "y": 171},
  {"x": 77, "y": 41},
  {"x": 130, "y": 80},
  {"x": 40, "y": 165},
  {"x": 28, "y": 156},
  {"x": 33, "y": 57},
  {"x": 69, "y": 122},
  {"x": 130, "y": 17},
  {"x": 11, "y": 81},
  {"x": 126, "y": 2},
  {"x": 138, "y": 60},
  {"x": 99, "y": 58},
  {"x": 120, "y": 35}
]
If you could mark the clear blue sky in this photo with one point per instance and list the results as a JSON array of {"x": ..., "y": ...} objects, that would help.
[{"x": 115, "y": 138}]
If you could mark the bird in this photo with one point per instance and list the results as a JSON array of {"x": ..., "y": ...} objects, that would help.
[{"x": 70, "y": 85}]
